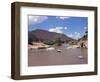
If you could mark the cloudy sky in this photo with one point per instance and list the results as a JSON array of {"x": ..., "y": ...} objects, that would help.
[{"x": 73, "y": 27}]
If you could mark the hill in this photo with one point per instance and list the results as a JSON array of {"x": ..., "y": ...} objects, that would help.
[{"x": 44, "y": 35}]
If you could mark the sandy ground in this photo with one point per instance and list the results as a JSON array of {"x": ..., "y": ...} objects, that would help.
[{"x": 43, "y": 57}]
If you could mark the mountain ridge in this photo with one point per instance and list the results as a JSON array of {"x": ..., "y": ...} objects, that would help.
[{"x": 44, "y": 35}]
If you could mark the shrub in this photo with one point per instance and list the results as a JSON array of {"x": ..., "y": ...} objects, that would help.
[
  {"x": 50, "y": 42},
  {"x": 57, "y": 42}
]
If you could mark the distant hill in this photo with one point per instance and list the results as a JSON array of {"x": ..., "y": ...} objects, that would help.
[
  {"x": 84, "y": 37},
  {"x": 83, "y": 41},
  {"x": 44, "y": 35}
]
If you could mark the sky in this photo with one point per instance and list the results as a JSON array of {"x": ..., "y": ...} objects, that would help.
[{"x": 73, "y": 27}]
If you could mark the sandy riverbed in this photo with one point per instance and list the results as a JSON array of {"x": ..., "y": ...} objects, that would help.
[{"x": 43, "y": 57}]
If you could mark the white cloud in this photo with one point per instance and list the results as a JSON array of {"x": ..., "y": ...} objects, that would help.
[
  {"x": 85, "y": 28},
  {"x": 65, "y": 28},
  {"x": 63, "y": 17},
  {"x": 37, "y": 19},
  {"x": 70, "y": 35},
  {"x": 75, "y": 35},
  {"x": 57, "y": 29}
]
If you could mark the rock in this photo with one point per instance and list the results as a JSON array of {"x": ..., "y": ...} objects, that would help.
[
  {"x": 51, "y": 48},
  {"x": 59, "y": 50},
  {"x": 80, "y": 57},
  {"x": 73, "y": 46},
  {"x": 83, "y": 44}
]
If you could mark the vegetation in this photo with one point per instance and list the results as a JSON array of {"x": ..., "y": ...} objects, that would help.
[
  {"x": 72, "y": 42},
  {"x": 30, "y": 40},
  {"x": 50, "y": 42},
  {"x": 57, "y": 42}
]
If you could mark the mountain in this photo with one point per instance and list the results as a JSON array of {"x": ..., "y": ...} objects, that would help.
[
  {"x": 31, "y": 38},
  {"x": 44, "y": 35},
  {"x": 84, "y": 37},
  {"x": 83, "y": 41}
]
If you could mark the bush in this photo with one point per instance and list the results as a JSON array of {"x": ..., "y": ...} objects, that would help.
[
  {"x": 50, "y": 42},
  {"x": 57, "y": 42}
]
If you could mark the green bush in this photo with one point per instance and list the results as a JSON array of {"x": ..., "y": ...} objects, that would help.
[
  {"x": 57, "y": 42},
  {"x": 50, "y": 42}
]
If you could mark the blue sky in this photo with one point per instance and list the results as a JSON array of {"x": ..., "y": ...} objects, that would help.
[{"x": 73, "y": 27}]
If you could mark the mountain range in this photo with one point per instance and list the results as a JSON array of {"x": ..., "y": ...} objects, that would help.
[{"x": 44, "y": 35}]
